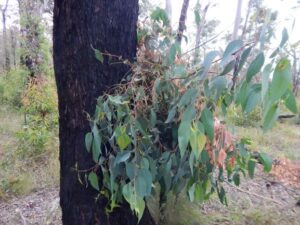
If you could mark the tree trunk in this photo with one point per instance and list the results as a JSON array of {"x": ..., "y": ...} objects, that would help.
[
  {"x": 237, "y": 20},
  {"x": 13, "y": 40},
  {"x": 110, "y": 26},
  {"x": 200, "y": 27},
  {"x": 30, "y": 35},
  {"x": 4, "y": 34},
  {"x": 182, "y": 20},
  {"x": 169, "y": 11}
]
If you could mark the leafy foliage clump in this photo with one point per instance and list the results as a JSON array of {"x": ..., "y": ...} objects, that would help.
[
  {"x": 39, "y": 104},
  {"x": 238, "y": 118},
  {"x": 12, "y": 85},
  {"x": 162, "y": 125}
]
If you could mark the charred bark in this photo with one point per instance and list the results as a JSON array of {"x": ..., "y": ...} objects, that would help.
[
  {"x": 109, "y": 26},
  {"x": 182, "y": 20}
]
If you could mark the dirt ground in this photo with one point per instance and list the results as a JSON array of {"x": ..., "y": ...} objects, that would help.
[{"x": 269, "y": 192}]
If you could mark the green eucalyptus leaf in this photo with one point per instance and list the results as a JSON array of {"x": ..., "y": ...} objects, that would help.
[
  {"x": 228, "y": 68},
  {"x": 236, "y": 179},
  {"x": 172, "y": 53},
  {"x": 208, "y": 60},
  {"x": 282, "y": 79},
  {"x": 93, "y": 179},
  {"x": 208, "y": 122},
  {"x": 137, "y": 204},
  {"x": 285, "y": 37},
  {"x": 171, "y": 114},
  {"x": 265, "y": 80},
  {"x": 270, "y": 116},
  {"x": 98, "y": 55},
  {"x": 251, "y": 168},
  {"x": 197, "y": 141},
  {"x": 88, "y": 141},
  {"x": 122, "y": 157},
  {"x": 266, "y": 161},
  {"x": 255, "y": 66},
  {"x": 244, "y": 57},
  {"x": 96, "y": 146},
  {"x": 188, "y": 97},
  {"x": 192, "y": 192},
  {"x": 130, "y": 170},
  {"x": 143, "y": 183},
  {"x": 290, "y": 102},
  {"x": 253, "y": 99},
  {"x": 122, "y": 138},
  {"x": 184, "y": 131},
  {"x": 231, "y": 49}
]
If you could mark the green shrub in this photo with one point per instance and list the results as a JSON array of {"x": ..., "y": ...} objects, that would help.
[
  {"x": 12, "y": 85},
  {"x": 39, "y": 103},
  {"x": 237, "y": 117}
]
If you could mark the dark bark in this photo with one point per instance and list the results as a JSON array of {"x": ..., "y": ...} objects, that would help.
[
  {"x": 110, "y": 26},
  {"x": 182, "y": 20}
]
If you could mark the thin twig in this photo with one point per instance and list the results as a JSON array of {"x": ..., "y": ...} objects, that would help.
[{"x": 254, "y": 194}]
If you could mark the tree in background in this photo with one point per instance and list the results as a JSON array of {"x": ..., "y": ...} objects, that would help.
[
  {"x": 182, "y": 20},
  {"x": 4, "y": 37},
  {"x": 34, "y": 48}
]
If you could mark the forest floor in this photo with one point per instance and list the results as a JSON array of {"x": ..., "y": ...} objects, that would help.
[{"x": 268, "y": 199}]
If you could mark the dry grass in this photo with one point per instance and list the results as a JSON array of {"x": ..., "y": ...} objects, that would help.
[
  {"x": 21, "y": 175},
  {"x": 282, "y": 141}
]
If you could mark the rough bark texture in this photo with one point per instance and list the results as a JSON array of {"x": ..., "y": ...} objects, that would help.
[
  {"x": 110, "y": 26},
  {"x": 182, "y": 20}
]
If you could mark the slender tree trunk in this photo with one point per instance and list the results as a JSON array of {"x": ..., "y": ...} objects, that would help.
[
  {"x": 4, "y": 34},
  {"x": 169, "y": 11},
  {"x": 107, "y": 25},
  {"x": 237, "y": 20},
  {"x": 30, "y": 12},
  {"x": 246, "y": 20},
  {"x": 182, "y": 20},
  {"x": 199, "y": 31},
  {"x": 13, "y": 40}
]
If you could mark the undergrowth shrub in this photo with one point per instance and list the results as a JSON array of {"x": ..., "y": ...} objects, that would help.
[
  {"x": 39, "y": 104},
  {"x": 12, "y": 85},
  {"x": 237, "y": 117}
]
